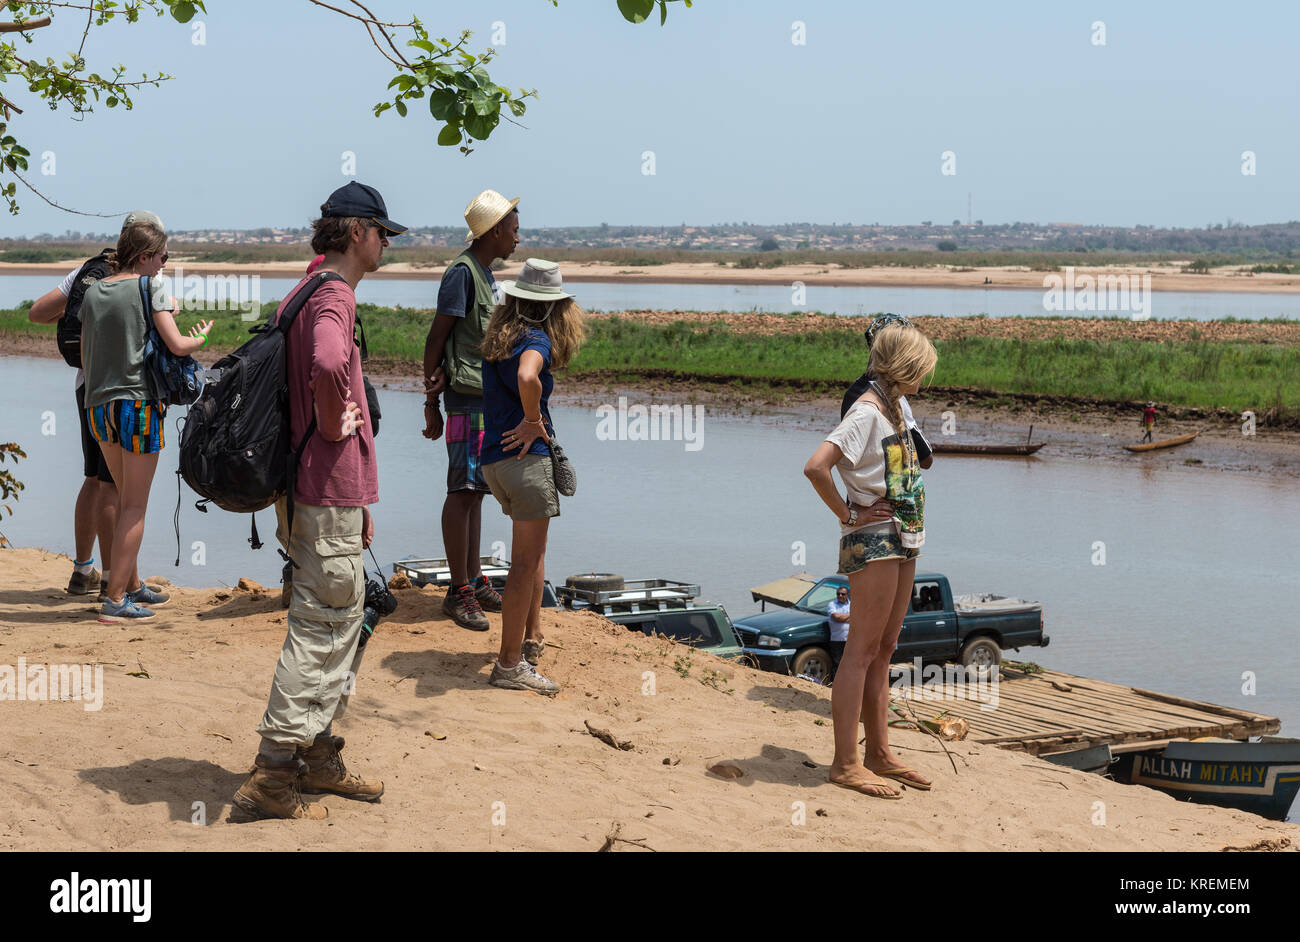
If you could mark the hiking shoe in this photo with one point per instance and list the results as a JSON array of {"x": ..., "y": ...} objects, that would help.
[
  {"x": 489, "y": 599},
  {"x": 272, "y": 790},
  {"x": 462, "y": 607},
  {"x": 533, "y": 651},
  {"x": 523, "y": 676},
  {"x": 327, "y": 773},
  {"x": 286, "y": 588},
  {"x": 112, "y": 612},
  {"x": 84, "y": 583},
  {"x": 144, "y": 595}
]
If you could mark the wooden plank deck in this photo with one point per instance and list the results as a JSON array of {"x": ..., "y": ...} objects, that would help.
[{"x": 1052, "y": 711}]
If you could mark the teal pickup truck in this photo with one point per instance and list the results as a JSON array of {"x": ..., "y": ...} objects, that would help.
[{"x": 972, "y": 629}]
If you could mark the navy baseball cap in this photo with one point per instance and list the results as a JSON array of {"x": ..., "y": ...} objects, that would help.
[{"x": 364, "y": 202}]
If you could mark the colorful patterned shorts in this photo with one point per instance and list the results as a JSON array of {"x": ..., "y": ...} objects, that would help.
[
  {"x": 135, "y": 424},
  {"x": 464, "y": 433},
  {"x": 870, "y": 545}
]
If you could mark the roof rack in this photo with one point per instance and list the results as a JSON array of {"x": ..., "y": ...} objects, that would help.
[
  {"x": 637, "y": 595},
  {"x": 437, "y": 571}
]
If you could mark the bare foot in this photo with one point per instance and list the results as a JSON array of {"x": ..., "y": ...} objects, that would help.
[
  {"x": 902, "y": 773},
  {"x": 863, "y": 780}
]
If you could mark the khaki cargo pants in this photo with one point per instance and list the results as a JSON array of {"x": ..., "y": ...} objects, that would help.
[{"x": 319, "y": 660}]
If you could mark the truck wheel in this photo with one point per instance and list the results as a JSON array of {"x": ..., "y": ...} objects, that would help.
[
  {"x": 813, "y": 662},
  {"x": 595, "y": 581},
  {"x": 982, "y": 653}
]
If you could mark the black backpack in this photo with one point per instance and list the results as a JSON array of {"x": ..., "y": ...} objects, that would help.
[
  {"x": 236, "y": 450},
  {"x": 68, "y": 333}
]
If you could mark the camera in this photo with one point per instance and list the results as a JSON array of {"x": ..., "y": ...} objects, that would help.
[{"x": 379, "y": 604}]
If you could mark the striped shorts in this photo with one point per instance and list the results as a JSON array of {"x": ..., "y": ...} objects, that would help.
[
  {"x": 464, "y": 448},
  {"x": 135, "y": 424}
]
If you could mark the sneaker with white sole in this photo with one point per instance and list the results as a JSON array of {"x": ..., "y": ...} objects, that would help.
[
  {"x": 145, "y": 595},
  {"x": 523, "y": 676},
  {"x": 125, "y": 610},
  {"x": 84, "y": 583}
]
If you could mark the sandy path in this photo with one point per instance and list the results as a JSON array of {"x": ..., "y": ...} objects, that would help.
[{"x": 127, "y": 776}]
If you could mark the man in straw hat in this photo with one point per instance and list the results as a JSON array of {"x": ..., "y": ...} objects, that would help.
[{"x": 453, "y": 368}]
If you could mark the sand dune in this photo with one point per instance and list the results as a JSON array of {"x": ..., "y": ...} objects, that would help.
[{"x": 514, "y": 771}]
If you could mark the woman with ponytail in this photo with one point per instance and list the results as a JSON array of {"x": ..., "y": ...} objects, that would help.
[{"x": 882, "y": 529}]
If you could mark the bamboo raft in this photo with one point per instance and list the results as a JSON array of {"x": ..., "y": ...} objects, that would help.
[
  {"x": 1164, "y": 442},
  {"x": 1052, "y": 711}
]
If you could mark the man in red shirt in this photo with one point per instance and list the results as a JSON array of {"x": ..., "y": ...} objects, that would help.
[
  {"x": 1148, "y": 420},
  {"x": 337, "y": 480}
]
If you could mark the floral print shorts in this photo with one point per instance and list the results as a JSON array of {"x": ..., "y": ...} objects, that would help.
[{"x": 871, "y": 544}]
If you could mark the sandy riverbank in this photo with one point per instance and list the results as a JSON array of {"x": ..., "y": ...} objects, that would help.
[
  {"x": 128, "y": 776},
  {"x": 1164, "y": 277}
]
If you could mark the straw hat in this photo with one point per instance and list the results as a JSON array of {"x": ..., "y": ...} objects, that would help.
[
  {"x": 539, "y": 281},
  {"x": 485, "y": 211}
]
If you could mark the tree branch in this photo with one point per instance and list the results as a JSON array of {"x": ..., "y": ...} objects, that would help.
[
  {"x": 54, "y": 204},
  {"x": 24, "y": 27}
]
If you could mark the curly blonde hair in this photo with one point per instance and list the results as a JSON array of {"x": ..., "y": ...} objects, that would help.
[
  {"x": 900, "y": 355},
  {"x": 513, "y": 316}
]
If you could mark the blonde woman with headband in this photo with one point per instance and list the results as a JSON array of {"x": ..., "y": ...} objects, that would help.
[{"x": 882, "y": 529}]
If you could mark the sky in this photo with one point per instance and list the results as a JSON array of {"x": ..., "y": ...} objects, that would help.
[{"x": 851, "y": 126}]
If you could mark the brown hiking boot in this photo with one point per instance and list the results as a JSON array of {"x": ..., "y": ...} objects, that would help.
[
  {"x": 489, "y": 599},
  {"x": 86, "y": 584},
  {"x": 327, "y": 773},
  {"x": 273, "y": 791},
  {"x": 463, "y": 608}
]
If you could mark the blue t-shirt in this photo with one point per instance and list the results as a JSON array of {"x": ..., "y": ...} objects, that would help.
[
  {"x": 455, "y": 297},
  {"x": 502, "y": 408}
]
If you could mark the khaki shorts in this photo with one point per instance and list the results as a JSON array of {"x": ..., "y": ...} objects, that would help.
[{"x": 525, "y": 487}]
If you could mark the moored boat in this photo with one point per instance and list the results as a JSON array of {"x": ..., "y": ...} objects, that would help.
[
  {"x": 961, "y": 448},
  {"x": 1261, "y": 777},
  {"x": 1164, "y": 442}
]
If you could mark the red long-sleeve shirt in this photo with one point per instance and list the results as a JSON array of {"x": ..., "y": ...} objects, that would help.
[{"x": 324, "y": 368}]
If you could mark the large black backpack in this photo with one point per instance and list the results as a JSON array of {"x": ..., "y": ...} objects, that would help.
[
  {"x": 68, "y": 333},
  {"x": 235, "y": 445}
]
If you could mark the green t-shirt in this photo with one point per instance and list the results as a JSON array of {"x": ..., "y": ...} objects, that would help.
[{"x": 112, "y": 340}]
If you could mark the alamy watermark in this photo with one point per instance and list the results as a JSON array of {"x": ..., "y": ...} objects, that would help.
[
  {"x": 84, "y": 682},
  {"x": 652, "y": 423},
  {"x": 241, "y": 293},
  {"x": 1129, "y": 294},
  {"x": 917, "y": 681}
]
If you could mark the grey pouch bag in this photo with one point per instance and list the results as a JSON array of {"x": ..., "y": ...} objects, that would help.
[{"x": 566, "y": 481}]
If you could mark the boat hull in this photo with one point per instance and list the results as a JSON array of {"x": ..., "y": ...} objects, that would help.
[
  {"x": 953, "y": 448},
  {"x": 1262, "y": 778},
  {"x": 1163, "y": 443}
]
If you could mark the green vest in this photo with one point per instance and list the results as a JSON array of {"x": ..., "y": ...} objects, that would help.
[{"x": 463, "y": 356}]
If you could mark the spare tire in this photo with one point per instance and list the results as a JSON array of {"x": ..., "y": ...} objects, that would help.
[{"x": 595, "y": 581}]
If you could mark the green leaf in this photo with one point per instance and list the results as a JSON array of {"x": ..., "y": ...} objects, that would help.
[
  {"x": 663, "y": 13},
  {"x": 442, "y": 103},
  {"x": 422, "y": 44},
  {"x": 480, "y": 126},
  {"x": 484, "y": 104},
  {"x": 449, "y": 136},
  {"x": 518, "y": 107},
  {"x": 183, "y": 11},
  {"x": 636, "y": 11},
  {"x": 401, "y": 107},
  {"x": 112, "y": 101}
]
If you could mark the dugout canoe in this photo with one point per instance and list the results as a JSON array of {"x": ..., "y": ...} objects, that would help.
[
  {"x": 1164, "y": 442},
  {"x": 955, "y": 448}
]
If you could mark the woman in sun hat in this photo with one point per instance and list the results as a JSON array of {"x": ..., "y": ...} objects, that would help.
[{"x": 536, "y": 328}]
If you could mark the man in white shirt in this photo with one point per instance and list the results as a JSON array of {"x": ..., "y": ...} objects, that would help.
[{"x": 837, "y": 610}]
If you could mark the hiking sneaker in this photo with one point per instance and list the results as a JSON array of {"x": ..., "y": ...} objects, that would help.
[
  {"x": 327, "y": 773},
  {"x": 273, "y": 790},
  {"x": 489, "y": 599},
  {"x": 286, "y": 588},
  {"x": 127, "y": 609},
  {"x": 462, "y": 607},
  {"x": 533, "y": 651},
  {"x": 523, "y": 676},
  {"x": 84, "y": 583},
  {"x": 145, "y": 595}
]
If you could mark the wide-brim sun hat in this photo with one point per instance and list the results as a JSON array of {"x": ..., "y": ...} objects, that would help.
[
  {"x": 485, "y": 211},
  {"x": 539, "y": 281}
]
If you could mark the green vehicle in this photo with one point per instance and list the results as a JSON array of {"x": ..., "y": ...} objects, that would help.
[{"x": 654, "y": 607}]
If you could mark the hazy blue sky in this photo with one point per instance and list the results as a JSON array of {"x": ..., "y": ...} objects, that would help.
[{"x": 745, "y": 125}]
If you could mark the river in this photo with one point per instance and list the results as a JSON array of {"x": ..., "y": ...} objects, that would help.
[{"x": 831, "y": 299}]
